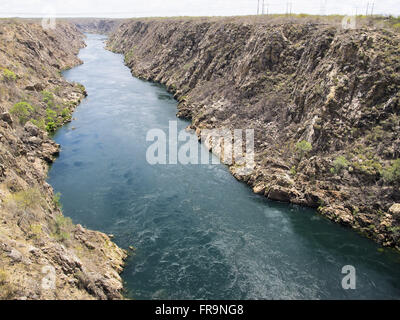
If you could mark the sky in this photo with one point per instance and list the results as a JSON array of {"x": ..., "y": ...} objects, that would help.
[{"x": 151, "y": 8}]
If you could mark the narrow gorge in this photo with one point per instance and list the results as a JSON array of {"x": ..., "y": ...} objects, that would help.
[
  {"x": 77, "y": 103},
  {"x": 323, "y": 101}
]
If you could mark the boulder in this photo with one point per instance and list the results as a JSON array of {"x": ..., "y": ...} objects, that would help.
[
  {"x": 31, "y": 129},
  {"x": 15, "y": 255},
  {"x": 395, "y": 211},
  {"x": 314, "y": 199},
  {"x": 6, "y": 117},
  {"x": 259, "y": 189},
  {"x": 279, "y": 194}
]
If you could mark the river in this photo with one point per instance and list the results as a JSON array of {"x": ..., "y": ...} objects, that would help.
[{"x": 198, "y": 233}]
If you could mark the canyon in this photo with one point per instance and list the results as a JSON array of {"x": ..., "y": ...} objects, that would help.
[{"x": 323, "y": 101}]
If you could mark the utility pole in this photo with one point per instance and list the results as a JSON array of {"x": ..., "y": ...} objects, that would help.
[
  {"x": 367, "y": 9},
  {"x": 372, "y": 10},
  {"x": 288, "y": 8},
  {"x": 263, "y": 5},
  {"x": 258, "y": 7},
  {"x": 267, "y": 9}
]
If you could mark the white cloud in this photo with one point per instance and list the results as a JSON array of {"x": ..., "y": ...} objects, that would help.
[{"x": 140, "y": 8}]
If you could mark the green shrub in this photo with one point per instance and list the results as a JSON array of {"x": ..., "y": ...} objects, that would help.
[
  {"x": 8, "y": 75},
  {"x": 303, "y": 147},
  {"x": 65, "y": 113},
  {"x": 51, "y": 114},
  {"x": 40, "y": 123},
  {"x": 26, "y": 199},
  {"x": 56, "y": 200},
  {"x": 392, "y": 173},
  {"x": 51, "y": 126},
  {"x": 48, "y": 98},
  {"x": 62, "y": 228},
  {"x": 22, "y": 110},
  {"x": 36, "y": 230},
  {"x": 339, "y": 164}
]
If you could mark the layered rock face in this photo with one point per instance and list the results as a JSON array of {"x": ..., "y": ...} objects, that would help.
[
  {"x": 92, "y": 25},
  {"x": 43, "y": 255},
  {"x": 323, "y": 101}
]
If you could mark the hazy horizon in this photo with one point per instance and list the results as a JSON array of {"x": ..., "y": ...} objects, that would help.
[{"x": 157, "y": 8}]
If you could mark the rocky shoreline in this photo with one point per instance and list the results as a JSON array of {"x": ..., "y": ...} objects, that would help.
[
  {"x": 43, "y": 254},
  {"x": 323, "y": 101}
]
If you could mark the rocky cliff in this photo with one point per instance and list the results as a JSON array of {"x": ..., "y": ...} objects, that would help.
[
  {"x": 323, "y": 101},
  {"x": 93, "y": 25},
  {"x": 43, "y": 254}
]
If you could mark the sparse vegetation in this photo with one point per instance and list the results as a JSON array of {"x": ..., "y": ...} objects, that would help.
[
  {"x": 8, "y": 75},
  {"x": 81, "y": 87},
  {"x": 23, "y": 111},
  {"x": 26, "y": 199},
  {"x": 302, "y": 148},
  {"x": 51, "y": 120},
  {"x": 339, "y": 164},
  {"x": 48, "y": 98},
  {"x": 66, "y": 113},
  {"x": 40, "y": 123},
  {"x": 6, "y": 290},
  {"x": 56, "y": 200},
  {"x": 36, "y": 230},
  {"x": 129, "y": 56},
  {"x": 392, "y": 173},
  {"x": 62, "y": 228}
]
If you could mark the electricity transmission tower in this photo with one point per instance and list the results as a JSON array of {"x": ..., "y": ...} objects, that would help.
[
  {"x": 370, "y": 8},
  {"x": 288, "y": 8},
  {"x": 262, "y": 4}
]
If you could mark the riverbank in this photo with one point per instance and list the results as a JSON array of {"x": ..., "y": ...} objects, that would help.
[
  {"x": 323, "y": 101},
  {"x": 43, "y": 254}
]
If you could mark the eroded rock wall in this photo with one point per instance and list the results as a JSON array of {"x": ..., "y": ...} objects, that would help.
[{"x": 43, "y": 255}]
